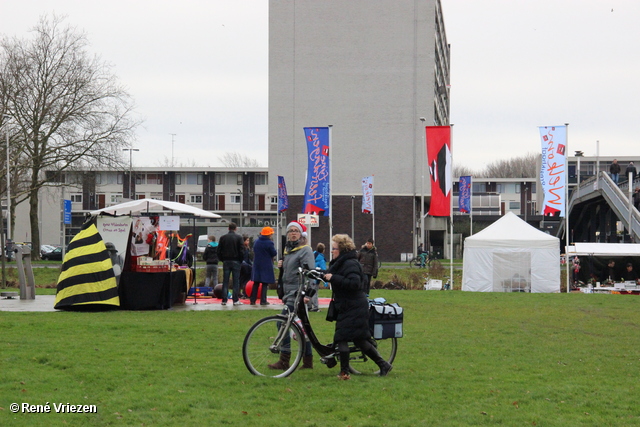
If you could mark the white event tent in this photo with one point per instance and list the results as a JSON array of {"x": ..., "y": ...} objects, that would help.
[
  {"x": 140, "y": 205},
  {"x": 511, "y": 256}
]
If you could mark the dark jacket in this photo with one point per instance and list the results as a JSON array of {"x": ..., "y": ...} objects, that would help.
[
  {"x": 369, "y": 260},
  {"x": 351, "y": 303},
  {"x": 231, "y": 247},
  {"x": 263, "y": 253},
  {"x": 636, "y": 199},
  {"x": 210, "y": 255},
  {"x": 614, "y": 168},
  {"x": 630, "y": 170}
]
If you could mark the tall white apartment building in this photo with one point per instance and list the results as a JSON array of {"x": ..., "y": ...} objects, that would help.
[{"x": 371, "y": 70}]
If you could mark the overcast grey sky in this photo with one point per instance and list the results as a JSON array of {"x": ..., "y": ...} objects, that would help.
[{"x": 199, "y": 70}]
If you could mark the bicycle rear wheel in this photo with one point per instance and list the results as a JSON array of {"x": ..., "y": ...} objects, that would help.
[
  {"x": 387, "y": 349},
  {"x": 415, "y": 262},
  {"x": 258, "y": 350}
]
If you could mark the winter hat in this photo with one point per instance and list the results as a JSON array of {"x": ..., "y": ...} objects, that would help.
[
  {"x": 300, "y": 227},
  {"x": 267, "y": 231}
]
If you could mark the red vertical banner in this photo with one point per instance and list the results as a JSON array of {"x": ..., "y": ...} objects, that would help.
[{"x": 439, "y": 158}]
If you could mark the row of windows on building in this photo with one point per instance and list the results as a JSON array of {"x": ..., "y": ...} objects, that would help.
[
  {"x": 234, "y": 199},
  {"x": 221, "y": 178},
  {"x": 498, "y": 188}
]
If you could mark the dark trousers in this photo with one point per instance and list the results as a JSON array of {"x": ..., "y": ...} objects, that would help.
[
  {"x": 230, "y": 268},
  {"x": 367, "y": 284},
  {"x": 254, "y": 293}
]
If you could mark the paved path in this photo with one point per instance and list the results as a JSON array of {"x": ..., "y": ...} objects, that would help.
[{"x": 46, "y": 303}]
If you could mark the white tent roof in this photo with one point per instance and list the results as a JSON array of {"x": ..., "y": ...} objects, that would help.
[
  {"x": 511, "y": 232},
  {"x": 136, "y": 206},
  {"x": 605, "y": 249}
]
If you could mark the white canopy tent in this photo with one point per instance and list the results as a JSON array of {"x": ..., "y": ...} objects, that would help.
[
  {"x": 511, "y": 256},
  {"x": 142, "y": 205}
]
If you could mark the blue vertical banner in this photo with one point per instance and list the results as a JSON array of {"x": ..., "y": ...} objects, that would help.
[
  {"x": 283, "y": 198},
  {"x": 317, "y": 193},
  {"x": 67, "y": 212},
  {"x": 464, "y": 194}
]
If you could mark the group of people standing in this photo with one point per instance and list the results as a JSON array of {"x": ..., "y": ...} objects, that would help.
[
  {"x": 615, "y": 169},
  {"x": 240, "y": 264}
]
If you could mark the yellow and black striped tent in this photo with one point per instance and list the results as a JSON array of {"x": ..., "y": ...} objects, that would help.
[{"x": 87, "y": 281}]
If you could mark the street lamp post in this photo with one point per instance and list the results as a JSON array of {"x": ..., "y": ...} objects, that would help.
[{"x": 130, "y": 150}]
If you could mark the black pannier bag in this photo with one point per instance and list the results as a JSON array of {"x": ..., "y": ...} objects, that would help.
[{"x": 385, "y": 321}]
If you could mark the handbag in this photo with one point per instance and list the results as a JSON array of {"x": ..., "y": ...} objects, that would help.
[{"x": 332, "y": 315}]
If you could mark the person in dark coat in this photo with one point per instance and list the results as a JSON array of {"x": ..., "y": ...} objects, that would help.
[
  {"x": 262, "y": 272},
  {"x": 636, "y": 198},
  {"x": 231, "y": 253},
  {"x": 614, "y": 170},
  {"x": 246, "y": 266},
  {"x": 352, "y": 306},
  {"x": 631, "y": 170},
  {"x": 368, "y": 257}
]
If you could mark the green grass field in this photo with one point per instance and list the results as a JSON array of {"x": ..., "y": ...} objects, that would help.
[{"x": 466, "y": 359}]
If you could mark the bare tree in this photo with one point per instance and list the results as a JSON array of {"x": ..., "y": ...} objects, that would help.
[
  {"x": 461, "y": 170},
  {"x": 167, "y": 162},
  {"x": 516, "y": 167},
  {"x": 237, "y": 160},
  {"x": 66, "y": 107}
]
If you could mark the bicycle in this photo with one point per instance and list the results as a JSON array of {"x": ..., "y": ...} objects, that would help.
[
  {"x": 289, "y": 332},
  {"x": 422, "y": 260}
]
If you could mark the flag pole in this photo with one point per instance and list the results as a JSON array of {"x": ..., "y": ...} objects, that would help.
[
  {"x": 278, "y": 229},
  {"x": 330, "y": 184},
  {"x": 566, "y": 204},
  {"x": 451, "y": 208},
  {"x": 373, "y": 209},
  {"x": 471, "y": 208},
  {"x": 423, "y": 154}
]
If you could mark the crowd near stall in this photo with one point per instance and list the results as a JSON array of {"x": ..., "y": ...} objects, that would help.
[{"x": 128, "y": 256}]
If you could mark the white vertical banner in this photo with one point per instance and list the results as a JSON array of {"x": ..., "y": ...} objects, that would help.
[
  {"x": 367, "y": 202},
  {"x": 367, "y": 195},
  {"x": 553, "y": 171}
]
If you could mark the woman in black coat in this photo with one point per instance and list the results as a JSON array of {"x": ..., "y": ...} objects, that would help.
[{"x": 352, "y": 307}]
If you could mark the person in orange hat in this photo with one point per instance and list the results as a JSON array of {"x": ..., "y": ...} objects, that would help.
[{"x": 264, "y": 252}]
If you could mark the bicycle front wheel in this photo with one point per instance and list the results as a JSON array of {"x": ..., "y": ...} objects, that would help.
[{"x": 260, "y": 348}]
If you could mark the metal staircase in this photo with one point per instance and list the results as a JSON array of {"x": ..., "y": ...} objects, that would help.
[{"x": 617, "y": 197}]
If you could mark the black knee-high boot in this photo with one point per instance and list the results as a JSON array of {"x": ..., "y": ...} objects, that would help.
[
  {"x": 343, "y": 350},
  {"x": 372, "y": 353}
]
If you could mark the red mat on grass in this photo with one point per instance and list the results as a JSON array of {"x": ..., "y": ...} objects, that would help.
[{"x": 272, "y": 300}]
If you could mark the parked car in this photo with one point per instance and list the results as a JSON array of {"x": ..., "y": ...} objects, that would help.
[
  {"x": 45, "y": 249},
  {"x": 54, "y": 255},
  {"x": 203, "y": 240}
]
